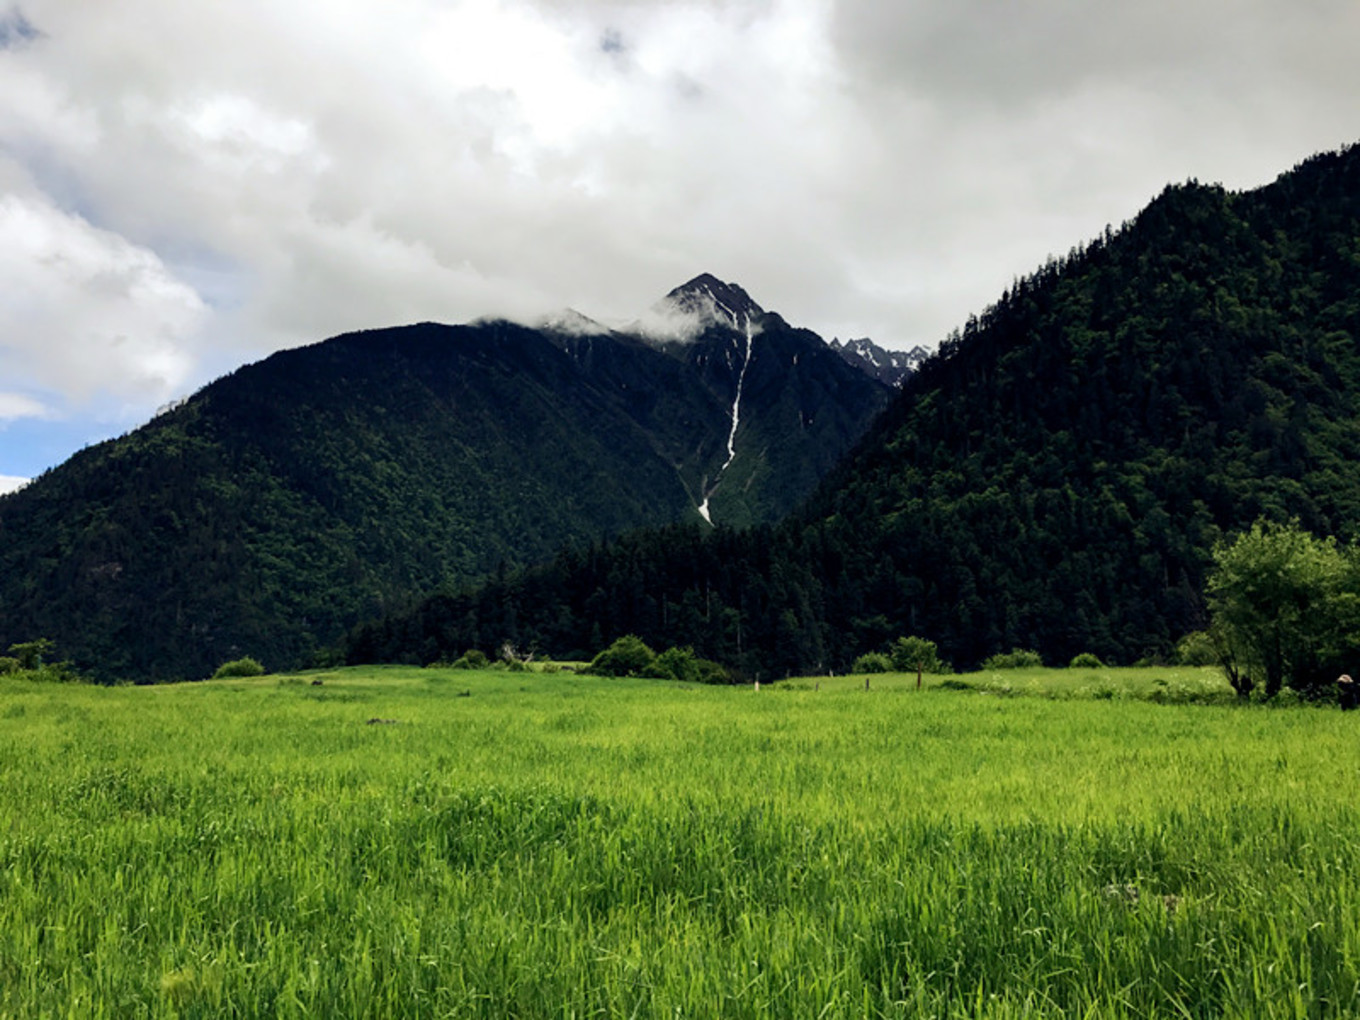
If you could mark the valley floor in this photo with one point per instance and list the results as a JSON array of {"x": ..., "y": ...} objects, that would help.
[{"x": 405, "y": 842}]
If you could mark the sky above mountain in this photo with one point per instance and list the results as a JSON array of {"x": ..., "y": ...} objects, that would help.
[{"x": 184, "y": 187}]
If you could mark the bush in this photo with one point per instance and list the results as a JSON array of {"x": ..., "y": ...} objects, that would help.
[
  {"x": 1196, "y": 649},
  {"x": 911, "y": 653},
  {"x": 872, "y": 662},
  {"x": 627, "y": 656},
  {"x": 1086, "y": 660},
  {"x": 1016, "y": 658},
  {"x": 472, "y": 659},
  {"x": 706, "y": 671},
  {"x": 30, "y": 653},
  {"x": 238, "y": 668},
  {"x": 9, "y": 665},
  {"x": 683, "y": 664}
]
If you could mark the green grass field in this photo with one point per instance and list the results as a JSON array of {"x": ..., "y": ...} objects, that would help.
[{"x": 525, "y": 845}]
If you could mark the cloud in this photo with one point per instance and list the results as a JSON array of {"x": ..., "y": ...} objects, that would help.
[
  {"x": 12, "y": 483},
  {"x": 85, "y": 312},
  {"x": 15, "y": 29},
  {"x": 17, "y": 405},
  {"x": 187, "y": 186}
]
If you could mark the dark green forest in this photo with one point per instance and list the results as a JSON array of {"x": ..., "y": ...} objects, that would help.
[
  {"x": 342, "y": 481},
  {"x": 1054, "y": 478}
]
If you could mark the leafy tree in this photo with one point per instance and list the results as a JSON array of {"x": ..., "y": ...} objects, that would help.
[
  {"x": 916, "y": 654},
  {"x": 628, "y": 656},
  {"x": 1285, "y": 608}
]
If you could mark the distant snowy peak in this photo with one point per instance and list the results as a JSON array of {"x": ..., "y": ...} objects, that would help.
[
  {"x": 710, "y": 300},
  {"x": 891, "y": 367}
]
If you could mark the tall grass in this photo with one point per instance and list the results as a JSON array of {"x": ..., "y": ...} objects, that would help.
[{"x": 557, "y": 846}]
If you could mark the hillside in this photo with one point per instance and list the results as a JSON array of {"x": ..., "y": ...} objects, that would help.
[
  {"x": 1054, "y": 478},
  {"x": 328, "y": 483}
]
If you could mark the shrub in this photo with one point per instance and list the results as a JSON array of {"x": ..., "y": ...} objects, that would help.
[
  {"x": 239, "y": 667},
  {"x": 674, "y": 664},
  {"x": 9, "y": 665},
  {"x": 472, "y": 659},
  {"x": 706, "y": 671},
  {"x": 872, "y": 662},
  {"x": 30, "y": 653},
  {"x": 911, "y": 653},
  {"x": 1016, "y": 658},
  {"x": 628, "y": 656},
  {"x": 1086, "y": 660},
  {"x": 683, "y": 664},
  {"x": 1196, "y": 649}
]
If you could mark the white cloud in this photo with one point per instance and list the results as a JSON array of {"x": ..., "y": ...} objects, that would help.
[
  {"x": 11, "y": 483},
  {"x": 84, "y": 312},
  {"x": 17, "y": 405},
  {"x": 209, "y": 182}
]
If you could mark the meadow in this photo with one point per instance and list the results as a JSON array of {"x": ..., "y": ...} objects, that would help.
[{"x": 437, "y": 843}]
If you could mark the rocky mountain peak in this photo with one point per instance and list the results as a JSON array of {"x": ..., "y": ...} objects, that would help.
[
  {"x": 711, "y": 300},
  {"x": 891, "y": 367}
]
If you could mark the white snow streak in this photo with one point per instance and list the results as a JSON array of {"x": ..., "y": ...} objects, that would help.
[{"x": 736, "y": 421}]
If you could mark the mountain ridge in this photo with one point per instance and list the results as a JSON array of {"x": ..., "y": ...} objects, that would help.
[{"x": 293, "y": 496}]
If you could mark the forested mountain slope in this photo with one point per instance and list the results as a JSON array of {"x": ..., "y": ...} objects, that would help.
[
  {"x": 1054, "y": 478},
  {"x": 287, "y": 500}
]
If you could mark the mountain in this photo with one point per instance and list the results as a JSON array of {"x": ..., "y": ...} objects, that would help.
[
  {"x": 708, "y": 301},
  {"x": 280, "y": 504},
  {"x": 890, "y": 367},
  {"x": 1055, "y": 477}
]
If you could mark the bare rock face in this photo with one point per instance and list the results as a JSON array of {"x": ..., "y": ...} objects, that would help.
[{"x": 891, "y": 367}]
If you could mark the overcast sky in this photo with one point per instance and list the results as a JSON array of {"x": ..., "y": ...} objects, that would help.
[{"x": 185, "y": 187}]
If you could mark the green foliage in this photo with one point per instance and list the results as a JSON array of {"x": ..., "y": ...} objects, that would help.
[
  {"x": 9, "y": 664},
  {"x": 683, "y": 664},
  {"x": 30, "y": 653},
  {"x": 244, "y": 667},
  {"x": 1016, "y": 658},
  {"x": 472, "y": 659},
  {"x": 1196, "y": 649},
  {"x": 627, "y": 656},
  {"x": 910, "y": 654},
  {"x": 1085, "y": 660},
  {"x": 872, "y": 662},
  {"x": 1285, "y": 608}
]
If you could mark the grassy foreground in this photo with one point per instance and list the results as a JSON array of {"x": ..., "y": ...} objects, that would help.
[{"x": 400, "y": 842}]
